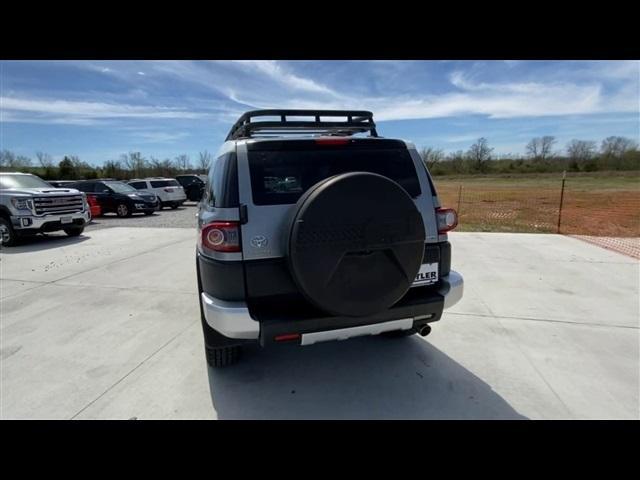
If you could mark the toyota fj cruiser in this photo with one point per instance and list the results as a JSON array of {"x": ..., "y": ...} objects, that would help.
[
  {"x": 310, "y": 231},
  {"x": 29, "y": 205}
]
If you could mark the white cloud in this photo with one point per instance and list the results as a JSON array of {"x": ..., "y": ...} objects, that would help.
[
  {"x": 79, "y": 112},
  {"x": 276, "y": 72},
  {"x": 160, "y": 137}
]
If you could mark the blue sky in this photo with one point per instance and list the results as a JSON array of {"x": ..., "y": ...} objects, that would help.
[{"x": 101, "y": 109}]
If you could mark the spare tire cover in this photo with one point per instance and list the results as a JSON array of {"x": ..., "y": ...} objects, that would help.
[{"x": 356, "y": 244}]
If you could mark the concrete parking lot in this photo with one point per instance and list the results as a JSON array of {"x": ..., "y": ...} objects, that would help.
[{"x": 107, "y": 326}]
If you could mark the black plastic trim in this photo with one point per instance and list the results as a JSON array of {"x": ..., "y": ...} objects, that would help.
[
  {"x": 418, "y": 302},
  {"x": 222, "y": 280}
]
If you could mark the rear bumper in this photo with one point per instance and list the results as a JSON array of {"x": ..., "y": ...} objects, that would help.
[{"x": 233, "y": 319}]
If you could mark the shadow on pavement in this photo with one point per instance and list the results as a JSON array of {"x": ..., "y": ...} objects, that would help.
[
  {"x": 364, "y": 378},
  {"x": 35, "y": 243}
]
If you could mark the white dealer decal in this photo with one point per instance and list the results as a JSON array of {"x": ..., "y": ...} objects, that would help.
[{"x": 427, "y": 274}]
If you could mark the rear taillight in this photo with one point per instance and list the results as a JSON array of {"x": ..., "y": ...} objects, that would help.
[
  {"x": 221, "y": 236},
  {"x": 447, "y": 219}
]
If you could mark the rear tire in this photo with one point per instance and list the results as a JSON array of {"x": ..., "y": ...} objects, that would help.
[
  {"x": 123, "y": 210},
  {"x": 74, "y": 231},
  {"x": 223, "y": 357},
  {"x": 8, "y": 236}
]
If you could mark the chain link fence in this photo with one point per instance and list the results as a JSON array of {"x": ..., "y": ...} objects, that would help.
[{"x": 610, "y": 218}]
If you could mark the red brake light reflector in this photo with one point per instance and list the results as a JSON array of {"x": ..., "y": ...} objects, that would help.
[
  {"x": 287, "y": 337},
  {"x": 332, "y": 141},
  {"x": 447, "y": 219}
]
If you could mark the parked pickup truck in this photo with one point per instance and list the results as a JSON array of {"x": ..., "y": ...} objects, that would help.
[{"x": 29, "y": 205}]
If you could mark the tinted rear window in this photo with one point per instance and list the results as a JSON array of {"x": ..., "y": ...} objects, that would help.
[
  {"x": 281, "y": 175},
  {"x": 164, "y": 183}
]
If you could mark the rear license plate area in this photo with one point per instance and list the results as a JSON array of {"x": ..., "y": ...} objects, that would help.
[{"x": 427, "y": 274}]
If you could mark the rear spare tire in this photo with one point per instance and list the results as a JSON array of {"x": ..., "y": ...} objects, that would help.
[{"x": 355, "y": 244}]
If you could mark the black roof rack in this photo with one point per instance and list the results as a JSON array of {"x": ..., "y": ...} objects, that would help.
[{"x": 357, "y": 121}]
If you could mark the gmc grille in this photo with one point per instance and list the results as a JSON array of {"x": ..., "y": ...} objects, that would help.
[{"x": 58, "y": 204}]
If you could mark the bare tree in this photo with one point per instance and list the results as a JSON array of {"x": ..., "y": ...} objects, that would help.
[
  {"x": 112, "y": 169},
  {"x": 44, "y": 159},
  {"x": 135, "y": 162},
  {"x": 540, "y": 148},
  {"x": 457, "y": 160},
  {"x": 617, "y": 146},
  {"x": 581, "y": 150},
  {"x": 431, "y": 156},
  {"x": 11, "y": 160},
  {"x": 480, "y": 154},
  {"x": 203, "y": 161},
  {"x": 6, "y": 157},
  {"x": 182, "y": 162}
]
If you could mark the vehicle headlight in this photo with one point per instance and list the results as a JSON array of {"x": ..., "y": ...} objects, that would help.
[
  {"x": 22, "y": 203},
  {"x": 133, "y": 195}
]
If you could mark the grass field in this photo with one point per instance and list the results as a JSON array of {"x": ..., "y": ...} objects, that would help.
[{"x": 601, "y": 204}]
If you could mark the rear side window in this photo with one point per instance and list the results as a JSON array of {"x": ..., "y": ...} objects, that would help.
[
  {"x": 222, "y": 183},
  {"x": 138, "y": 185},
  {"x": 282, "y": 176},
  {"x": 85, "y": 187},
  {"x": 164, "y": 183}
]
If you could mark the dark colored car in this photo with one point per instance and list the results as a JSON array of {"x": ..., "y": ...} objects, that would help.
[
  {"x": 118, "y": 197},
  {"x": 193, "y": 186}
]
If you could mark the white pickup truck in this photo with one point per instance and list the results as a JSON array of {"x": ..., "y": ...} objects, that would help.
[{"x": 29, "y": 205}]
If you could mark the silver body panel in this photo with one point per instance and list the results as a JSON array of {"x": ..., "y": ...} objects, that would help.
[{"x": 270, "y": 221}]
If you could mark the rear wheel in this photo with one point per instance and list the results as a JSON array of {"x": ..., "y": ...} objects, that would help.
[
  {"x": 220, "y": 350},
  {"x": 8, "y": 236},
  {"x": 223, "y": 357},
  {"x": 74, "y": 231},
  {"x": 123, "y": 210}
]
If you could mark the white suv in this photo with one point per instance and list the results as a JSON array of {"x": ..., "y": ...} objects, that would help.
[{"x": 168, "y": 190}]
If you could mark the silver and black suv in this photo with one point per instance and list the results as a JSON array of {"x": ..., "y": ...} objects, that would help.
[
  {"x": 29, "y": 205},
  {"x": 311, "y": 231}
]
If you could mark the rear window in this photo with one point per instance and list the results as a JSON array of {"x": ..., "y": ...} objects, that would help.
[
  {"x": 282, "y": 175},
  {"x": 164, "y": 183},
  {"x": 84, "y": 187}
]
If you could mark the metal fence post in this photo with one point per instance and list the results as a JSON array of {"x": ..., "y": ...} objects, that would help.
[
  {"x": 564, "y": 176},
  {"x": 459, "y": 200}
]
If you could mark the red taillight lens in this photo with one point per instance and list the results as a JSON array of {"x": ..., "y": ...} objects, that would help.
[
  {"x": 287, "y": 337},
  {"x": 221, "y": 236},
  {"x": 447, "y": 219},
  {"x": 332, "y": 141}
]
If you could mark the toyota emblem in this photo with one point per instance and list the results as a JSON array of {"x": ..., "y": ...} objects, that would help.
[{"x": 259, "y": 241}]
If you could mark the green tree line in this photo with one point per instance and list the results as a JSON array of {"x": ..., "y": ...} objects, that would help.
[
  {"x": 542, "y": 155},
  {"x": 128, "y": 166},
  {"x": 613, "y": 153}
]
